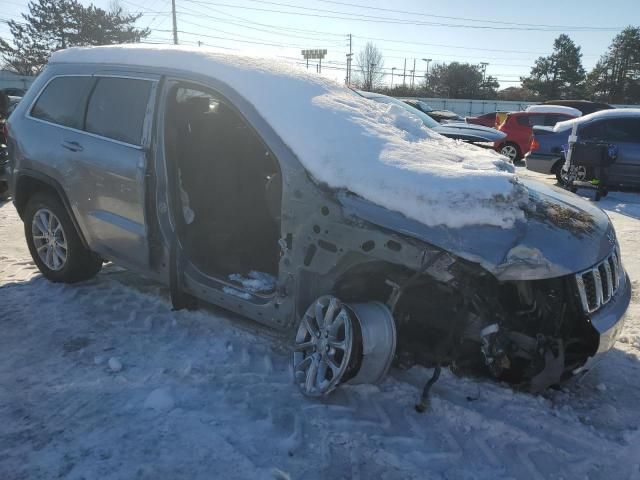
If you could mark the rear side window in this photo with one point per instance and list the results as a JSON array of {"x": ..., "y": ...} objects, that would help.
[
  {"x": 536, "y": 120},
  {"x": 551, "y": 119},
  {"x": 622, "y": 130},
  {"x": 63, "y": 101},
  {"x": 593, "y": 131},
  {"x": 117, "y": 109},
  {"x": 530, "y": 120},
  {"x": 612, "y": 130}
]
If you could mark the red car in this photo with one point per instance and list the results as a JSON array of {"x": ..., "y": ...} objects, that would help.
[
  {"x": 486, "y": 120},
  {"x": 518, "y": 125}
]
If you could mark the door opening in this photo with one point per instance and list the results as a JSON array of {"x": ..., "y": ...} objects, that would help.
[{"x": 227, "y": 189}]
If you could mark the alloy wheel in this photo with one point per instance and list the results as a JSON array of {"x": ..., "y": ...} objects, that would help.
[
  {"x": 49, "y": 239},
  {"x": 323, "y": 346},
  {"x": 510, "y": 152}
]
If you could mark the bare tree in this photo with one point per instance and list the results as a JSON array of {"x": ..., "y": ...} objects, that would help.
[{"x": 370, "y": 64}]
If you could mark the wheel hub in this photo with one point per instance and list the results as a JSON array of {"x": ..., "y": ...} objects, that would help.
[
  {"x": 49, "y": 239},
  {"x": 336, "y": 343}
]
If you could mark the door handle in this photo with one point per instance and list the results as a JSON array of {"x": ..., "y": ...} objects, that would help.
[{"x": 73, "y": 146}]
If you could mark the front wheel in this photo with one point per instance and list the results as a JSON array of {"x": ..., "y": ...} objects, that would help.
[{"x": 54, "y": 243}]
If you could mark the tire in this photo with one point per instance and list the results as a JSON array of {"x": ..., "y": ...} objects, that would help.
[
  {"x": 557, "y": 169},
  {"x": 54, "y": 243},
  {"x": 511, "y": 151}
]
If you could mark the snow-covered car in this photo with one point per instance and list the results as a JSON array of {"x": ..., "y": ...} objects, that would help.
[
  {"x": 292, "y": 200},
  {"x": 440, "y": 116},
  {"x": 456, "y": 130}
]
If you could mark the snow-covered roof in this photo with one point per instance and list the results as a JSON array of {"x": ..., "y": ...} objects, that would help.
[
  {"x": 554, "y": 109},
  {"x": 612, "y": 113},
  {"x": 377, "y": 151}
]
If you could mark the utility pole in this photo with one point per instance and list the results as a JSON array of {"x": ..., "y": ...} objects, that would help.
[
  {"x": 371, "y": 75},
  {"x": 349, "y": 57},
  {"x": 484, "y": 72},
  {"x": 392, "y": 69},
  {"x": 175, "y": 25},
  {"x": 413, "y": 74},
  {"x": 404, "y": 73}
]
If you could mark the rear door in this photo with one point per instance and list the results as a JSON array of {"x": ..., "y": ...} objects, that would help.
[
  {"x": 625, "y": 134},
  {"x": 112, "y": 154}
]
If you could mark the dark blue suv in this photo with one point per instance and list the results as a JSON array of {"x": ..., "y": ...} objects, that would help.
[{"x": 620, "y": 127}]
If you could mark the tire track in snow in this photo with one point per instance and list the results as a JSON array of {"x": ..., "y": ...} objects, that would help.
[{"x": 237, "y": 386}]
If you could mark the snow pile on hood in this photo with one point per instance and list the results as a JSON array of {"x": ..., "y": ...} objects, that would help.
[
  {"x": 613, "y": 113},
  {"x": 380, "y": 152}
]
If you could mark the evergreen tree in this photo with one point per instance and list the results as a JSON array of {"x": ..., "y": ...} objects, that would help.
[
  {"x": 560, "y": 75},
  {"x": 616, "y": 76},
  {"x": 460, "y": 80},
  {"x": 52, "y": 25}
]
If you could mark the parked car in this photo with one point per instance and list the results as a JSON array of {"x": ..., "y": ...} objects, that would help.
[
  {"x": 585, "y": 106},
  {"x": 517, "y": 127},
  {"x": 355, "y": 229},
  {"x": 455, "y": 130},
  {"x": 4, "y": 154},
  {"x": 4, "y": 161},
  {"x": 13, "y": 102},
  {"x": 440, "y": 116},
  {"x": 572, "y": 112},
  {"x": 619, "y": 127},
  {"x": 486, "y": 119},
  {"x": 14, "y": 92}
]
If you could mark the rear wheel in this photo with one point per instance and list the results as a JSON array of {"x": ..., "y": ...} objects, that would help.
[
  {"x": 562, "y": 174},
  {"x": 511, "y": 151},
  {"x": 54, "y": 243}
]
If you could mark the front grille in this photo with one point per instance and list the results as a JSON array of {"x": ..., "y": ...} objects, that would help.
[{"x": 599, "y": 284}]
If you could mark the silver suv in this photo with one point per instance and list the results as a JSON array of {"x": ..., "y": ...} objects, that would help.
[{"x": 160, "y": 161}]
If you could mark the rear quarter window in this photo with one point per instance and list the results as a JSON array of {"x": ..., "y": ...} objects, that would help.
[
  {"x": 63, "y": 101},
  {"x": 117, "y": 109}
]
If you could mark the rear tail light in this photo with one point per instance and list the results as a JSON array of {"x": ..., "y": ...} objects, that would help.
[{"x": 535, "y": 145}]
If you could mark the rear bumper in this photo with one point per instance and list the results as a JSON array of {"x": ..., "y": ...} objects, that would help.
[
  {"x": 541, "y": 163},
  {"x": 608, "y": 322}
]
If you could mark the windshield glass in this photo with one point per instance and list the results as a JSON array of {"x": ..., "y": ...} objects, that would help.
[
  {"x": 426, "y": 119},
  {"x": 425, "y": 106}
]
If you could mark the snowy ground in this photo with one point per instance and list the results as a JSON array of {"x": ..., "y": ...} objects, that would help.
[{"x": 103, "y": 380}]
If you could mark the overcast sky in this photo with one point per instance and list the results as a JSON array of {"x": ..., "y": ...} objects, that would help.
[{"x": 507, "y": 36}]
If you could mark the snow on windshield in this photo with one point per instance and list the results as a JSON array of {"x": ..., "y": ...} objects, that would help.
[{"x": 379, "y": 152}]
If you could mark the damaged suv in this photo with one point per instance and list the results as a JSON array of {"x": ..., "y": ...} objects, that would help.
[{"x": 291, "y": 200}]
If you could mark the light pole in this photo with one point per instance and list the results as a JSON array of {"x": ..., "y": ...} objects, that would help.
[
  {"x": 426, "y": 75},
  {"x": 392, "y": 69}
]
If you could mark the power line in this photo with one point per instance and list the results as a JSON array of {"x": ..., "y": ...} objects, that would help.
[
  {"x": 280, "y": 28},
  {"x": 376, "y": 19},
  {"x": 499, "y": 22},
  {"x": 231, "y": 22},
  {"x": 242, "y": 19},
  {"x": 245, "y": 36},
  {"x": 230, "y": 39}
]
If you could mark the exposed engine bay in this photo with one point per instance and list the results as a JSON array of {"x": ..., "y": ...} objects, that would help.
[{"x": 532, "y": 334}]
